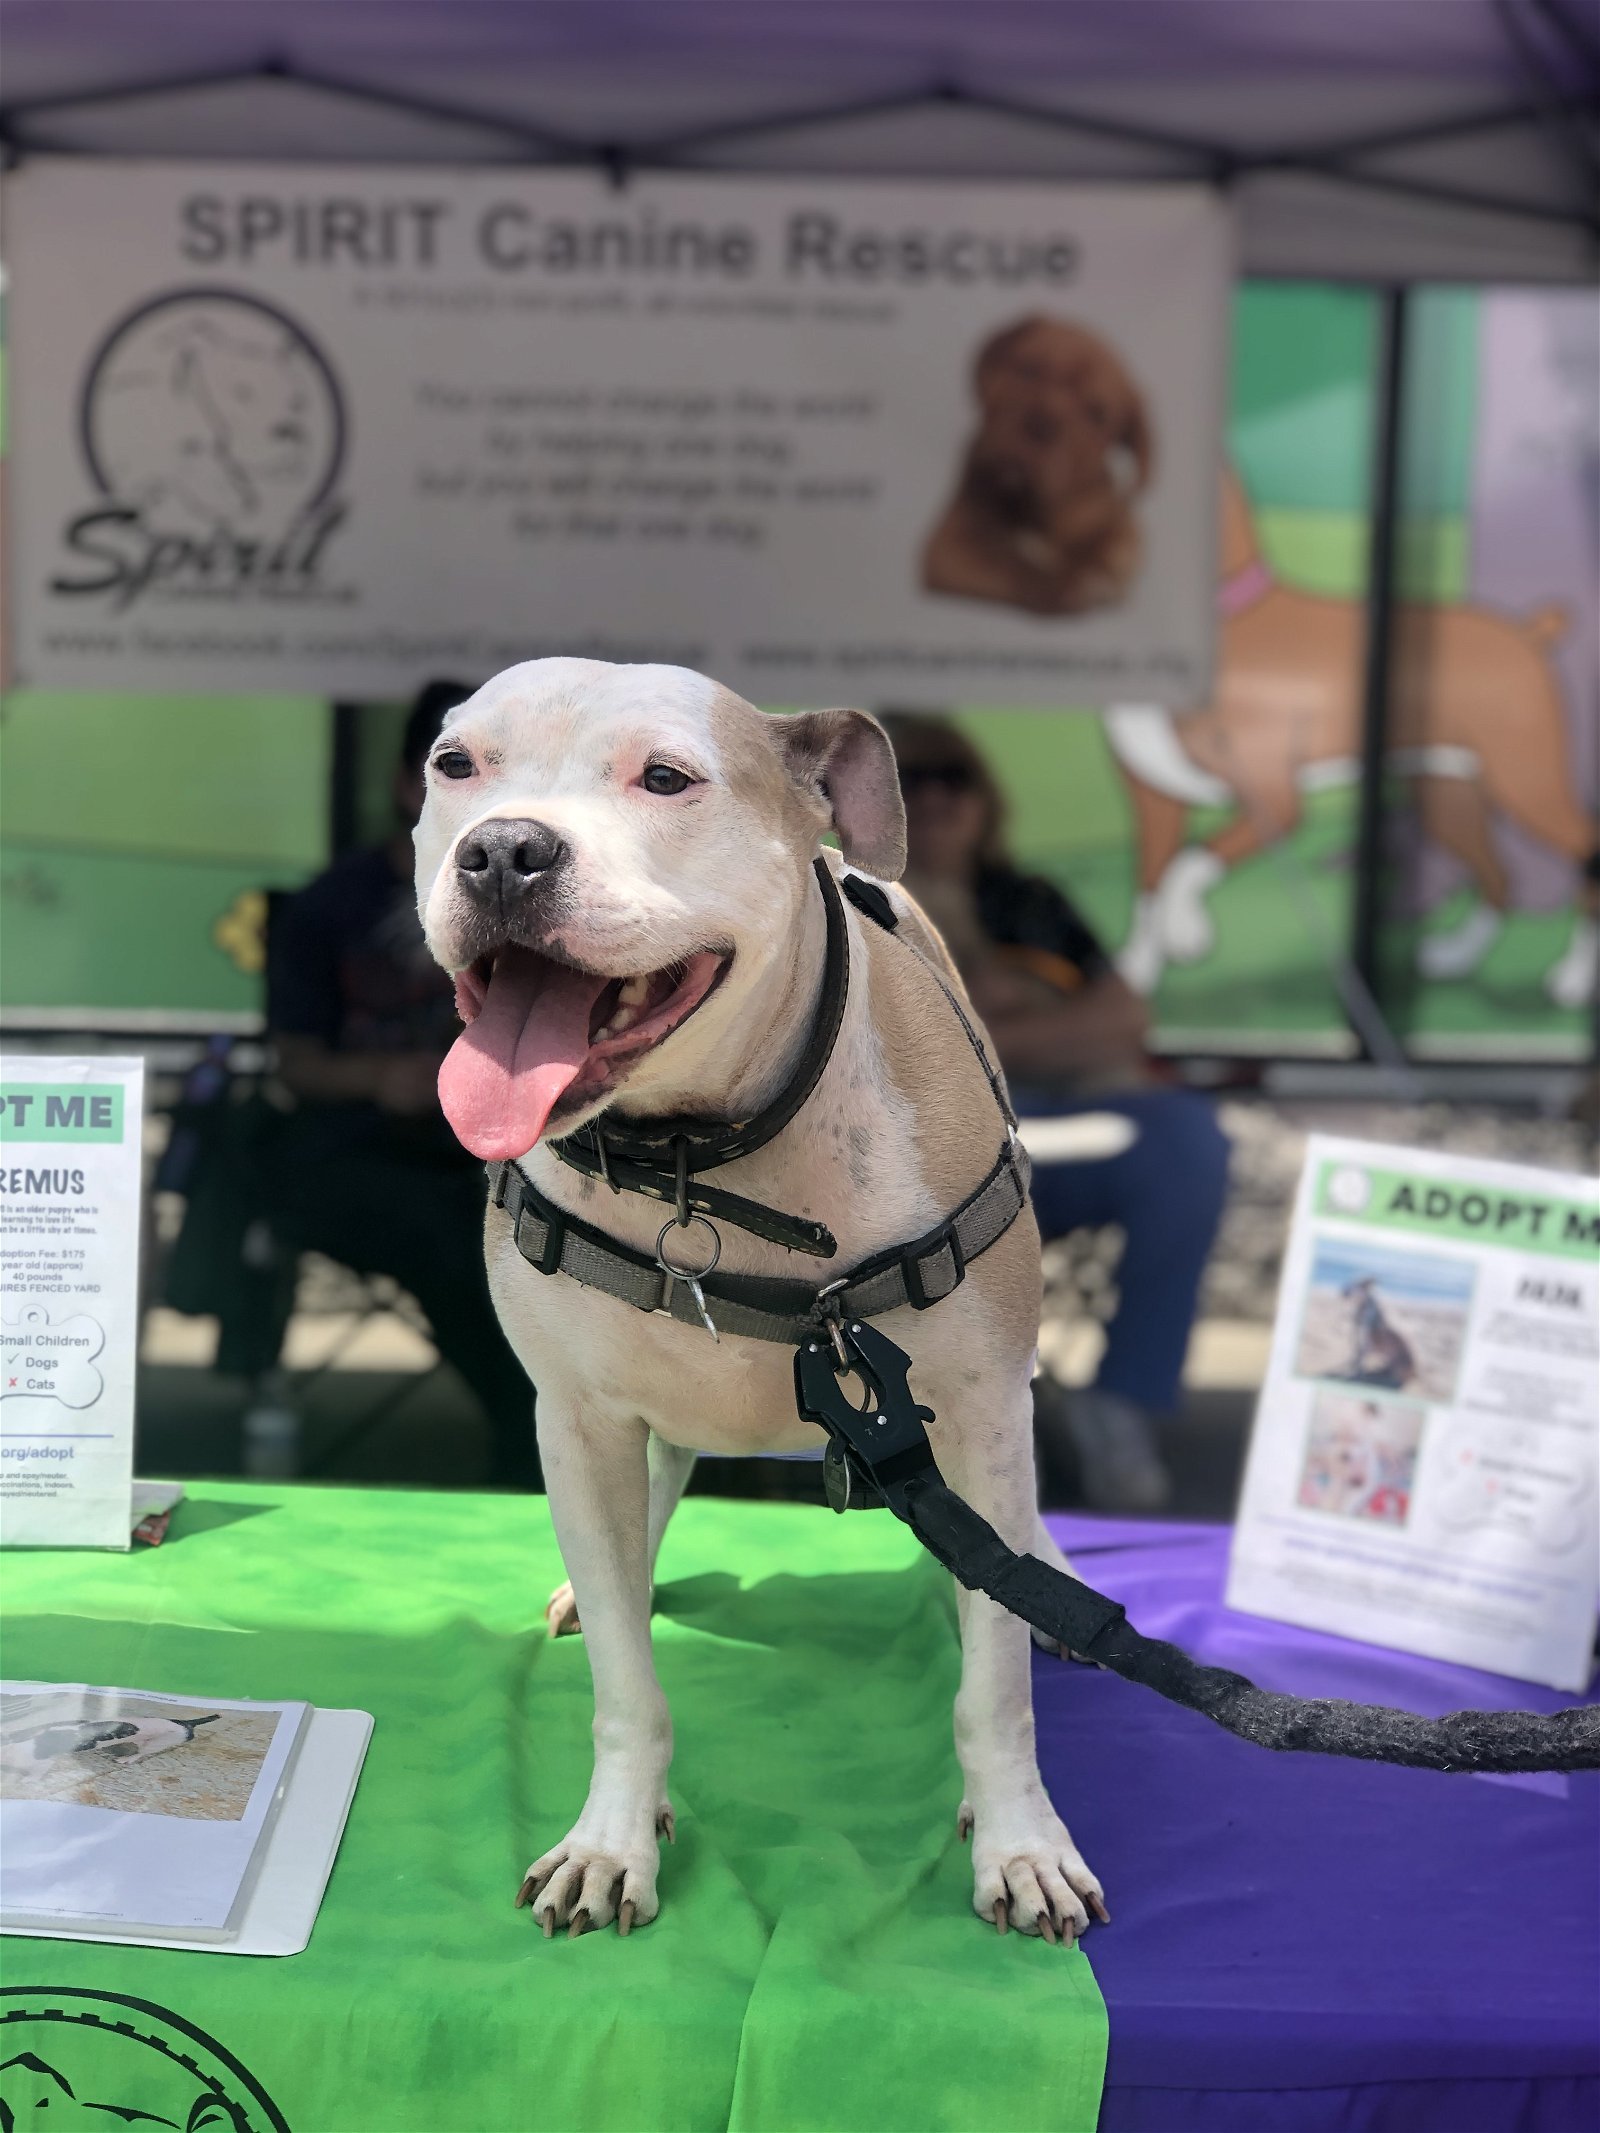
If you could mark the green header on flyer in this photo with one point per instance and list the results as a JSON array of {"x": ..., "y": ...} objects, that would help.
[
  {"x": 1464, "y": 1213},
  {"x": 60, "y": 1111}
]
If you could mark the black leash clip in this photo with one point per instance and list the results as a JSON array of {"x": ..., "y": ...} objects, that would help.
[{"x": 875, "y": 1449}]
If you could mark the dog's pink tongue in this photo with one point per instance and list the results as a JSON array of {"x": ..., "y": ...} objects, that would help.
[{"x": 508, "y": 1068}]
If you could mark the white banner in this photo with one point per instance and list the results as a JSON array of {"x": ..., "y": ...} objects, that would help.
[
  {"x": 334, "y": 430},
  {"x": 1422, "y": 1472},
  {"x": 69, "y": 1298}
]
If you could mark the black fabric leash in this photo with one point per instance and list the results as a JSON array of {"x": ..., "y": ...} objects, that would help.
[{"x": 879, "y": 1453}]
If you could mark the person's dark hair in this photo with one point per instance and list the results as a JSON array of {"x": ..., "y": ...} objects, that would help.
[
  {"x": 929, "y": 745},
  {"x": 432, "y": 705}
]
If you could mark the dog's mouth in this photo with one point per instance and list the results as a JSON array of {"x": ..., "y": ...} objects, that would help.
[{"x": 544, "y": 1038}]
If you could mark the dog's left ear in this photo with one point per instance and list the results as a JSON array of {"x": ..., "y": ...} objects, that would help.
[{"x": 844, "y": 760}]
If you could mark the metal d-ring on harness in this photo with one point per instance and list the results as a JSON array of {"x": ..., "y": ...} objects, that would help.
[{"x": 878, "y": 1453}]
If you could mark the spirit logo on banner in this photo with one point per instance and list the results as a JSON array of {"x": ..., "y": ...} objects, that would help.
[{"x": 214, "y": 427}]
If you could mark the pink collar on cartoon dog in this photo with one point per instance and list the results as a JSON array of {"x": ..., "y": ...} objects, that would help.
[{"x": 1243, "y": 589}]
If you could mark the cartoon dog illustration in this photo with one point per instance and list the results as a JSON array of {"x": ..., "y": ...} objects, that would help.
[
  {"x": 1380, "y": 1354},
  {"x": 1477, "y": 724},
  {"x": 212, "y": 424},
  {"x": 1042, "y": 517}
]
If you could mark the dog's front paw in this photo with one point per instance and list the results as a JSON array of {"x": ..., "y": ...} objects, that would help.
[
  {"x": 588, "y": 1881},
  {"x": 1028, "y": 1873}
]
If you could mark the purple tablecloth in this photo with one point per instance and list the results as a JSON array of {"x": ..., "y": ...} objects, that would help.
[{"x": 1305, "y": 1944}]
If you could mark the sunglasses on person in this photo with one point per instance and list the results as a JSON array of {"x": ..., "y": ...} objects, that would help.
[{"x": 922, "y": 777}]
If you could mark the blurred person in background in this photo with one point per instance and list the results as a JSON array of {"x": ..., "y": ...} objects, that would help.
[
  {"x": 367, "y": 1171},
  {"x": 1071, "y": 1037}
]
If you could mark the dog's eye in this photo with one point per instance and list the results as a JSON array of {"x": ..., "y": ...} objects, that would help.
[
  {"x": 453, "y": 763},
  {"x": 662, "y": 778}
]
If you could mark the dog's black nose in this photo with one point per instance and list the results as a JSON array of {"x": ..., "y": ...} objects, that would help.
[
  {"x": 498, "y": 858},
  {"x": 1040, "y": 427}
]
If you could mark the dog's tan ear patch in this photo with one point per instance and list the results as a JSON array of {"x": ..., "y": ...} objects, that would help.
[{"x": 844, "y": 759}]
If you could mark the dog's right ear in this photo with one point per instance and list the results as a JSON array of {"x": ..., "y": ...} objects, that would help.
[{"x": 844, "y": 761}]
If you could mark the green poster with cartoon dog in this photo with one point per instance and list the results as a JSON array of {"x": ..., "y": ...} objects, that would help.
[{"x": 1214, "y": 846}]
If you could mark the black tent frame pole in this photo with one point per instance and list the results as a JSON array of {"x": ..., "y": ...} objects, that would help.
[
  {"x": 1582, "y": 37},
  {"x": 1378, "y": 676},
  {"x": 344, "y": 780},
  {"x": 1574, "y": 127}
]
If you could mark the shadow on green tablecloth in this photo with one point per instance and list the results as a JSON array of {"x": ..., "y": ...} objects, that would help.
[{"x": 816, "y": 1964}]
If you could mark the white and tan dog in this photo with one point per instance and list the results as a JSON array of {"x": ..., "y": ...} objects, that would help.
[{"x": 617, "y": 864}]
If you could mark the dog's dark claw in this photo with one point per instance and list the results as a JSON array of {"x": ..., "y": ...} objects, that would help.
[
  {"x": 666, "y": 1826},
  {"x": 625, "y": 1919},
  {"x": 1097, "y": 1905},
  {"x": 1047, "y": 1928},
  {"x": 524, "y": 1894},
  {"x": 1002, "y": 1920},
  {"x": 964, "y": 1824},
  {"x": 579, "y": 1925},
  {"x": 549, "y": 1923}
]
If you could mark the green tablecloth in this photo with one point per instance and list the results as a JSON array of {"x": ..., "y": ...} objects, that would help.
[{"x": 816, "y": 1964}]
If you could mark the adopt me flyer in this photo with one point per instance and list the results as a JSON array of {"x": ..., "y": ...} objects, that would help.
[
  {"x": 1422, "y": 1472},
  {"x": 70, "y": 1132}
]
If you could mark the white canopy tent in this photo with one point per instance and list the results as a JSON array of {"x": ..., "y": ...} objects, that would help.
[{"x": 1384, "y": 140}]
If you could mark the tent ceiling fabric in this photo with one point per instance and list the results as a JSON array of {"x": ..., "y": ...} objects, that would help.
[{"x": 1170, "y": 88}]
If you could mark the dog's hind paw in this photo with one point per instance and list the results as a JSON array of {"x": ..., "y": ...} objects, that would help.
[
  {"x": 1057, "y": 1650},
  {"x": 561, "y": 1613}
]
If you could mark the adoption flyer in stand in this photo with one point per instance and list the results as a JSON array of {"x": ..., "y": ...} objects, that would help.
[
  {"x": 1422, "y": 1472},
  {"x": 70, "y": 1132}
]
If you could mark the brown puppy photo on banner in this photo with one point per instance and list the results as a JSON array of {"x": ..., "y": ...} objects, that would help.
[{"x": 1042, "y": 517}]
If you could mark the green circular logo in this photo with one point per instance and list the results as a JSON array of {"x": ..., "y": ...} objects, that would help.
[{"x": 98, "y": 2060}]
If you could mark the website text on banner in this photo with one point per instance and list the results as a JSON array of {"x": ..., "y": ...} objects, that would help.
[{"x": 295, "y": 428}]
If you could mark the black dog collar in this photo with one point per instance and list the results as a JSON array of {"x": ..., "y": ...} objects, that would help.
[{"x": 662, "y": 1157}]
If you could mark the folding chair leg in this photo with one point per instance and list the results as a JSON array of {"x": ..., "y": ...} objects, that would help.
[{"x": 272, "y": 1430}]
